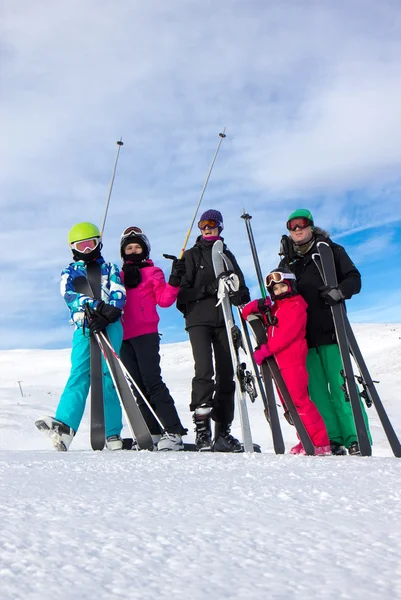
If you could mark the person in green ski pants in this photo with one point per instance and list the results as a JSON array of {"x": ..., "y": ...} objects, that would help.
[{"x": 324, "y": 362}]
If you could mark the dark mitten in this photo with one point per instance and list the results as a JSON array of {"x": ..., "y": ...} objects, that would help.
[
  {"x": 331, "y": 294},
  {"x": 109, "y": 312},
  {"x": 177, "y": 271},
  {"x": 241, "y": 297},
  {"x": 132, "y": 275},
  {"x": 212, "y": 288},
  {"x": 97, "y": 323}
]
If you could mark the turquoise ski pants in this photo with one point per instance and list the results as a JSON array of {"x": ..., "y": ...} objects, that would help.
[{"x": 72, "y": 401}]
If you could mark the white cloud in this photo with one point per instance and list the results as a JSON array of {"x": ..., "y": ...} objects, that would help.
[{"x": 309, "y": 92}]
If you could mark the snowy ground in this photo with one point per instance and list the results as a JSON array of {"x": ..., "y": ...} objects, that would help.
[{"x": 147, "y": 525}]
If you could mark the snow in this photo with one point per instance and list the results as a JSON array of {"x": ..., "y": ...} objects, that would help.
[{"x": 147, "y": 525}]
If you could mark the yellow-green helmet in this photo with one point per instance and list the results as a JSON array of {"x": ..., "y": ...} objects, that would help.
[{"x": 83, "y": 231}]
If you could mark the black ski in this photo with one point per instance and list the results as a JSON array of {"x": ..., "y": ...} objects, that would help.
[
  {"x": 369, "y": 392},
  {"x": 121, "y": 379},
  {"x": 124, "y": 387},
  {"x": 259, "y": 332},
  {"x": 338, "y": 312},
  {"x": 97, "y": 434},
  {"x": 270, "y": 370}
]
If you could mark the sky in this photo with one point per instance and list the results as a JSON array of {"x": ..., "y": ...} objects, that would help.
[{"x": 308, "y": 91}]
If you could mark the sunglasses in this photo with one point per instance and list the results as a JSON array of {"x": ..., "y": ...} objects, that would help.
[
  {"x": 84, "y": 245},
  {"x": 298, "y": 223},
  {"x": 277, "y": 277},
  {"x": 208, "y": 223}
]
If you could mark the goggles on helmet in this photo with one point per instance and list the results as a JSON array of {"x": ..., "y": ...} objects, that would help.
[
  {"x": 208, "y": 223},
  {"x": 85, "y": 245},
  {"x": 131, "y": 232},
  {"x": 298, "y": 223},
  {"x": 278, "y": 277}
]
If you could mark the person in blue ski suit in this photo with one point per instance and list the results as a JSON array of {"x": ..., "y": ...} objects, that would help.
[{"x": 85, "y": 242}]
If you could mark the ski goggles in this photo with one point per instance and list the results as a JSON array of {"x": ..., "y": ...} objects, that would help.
[
  {"x": 208, "y": 223},
  {"x": 298, "y": 223},
  {"x": 84, "y": 245},
  {"x": 277, "y": 277},
  {"x": 131, "y": 232}
]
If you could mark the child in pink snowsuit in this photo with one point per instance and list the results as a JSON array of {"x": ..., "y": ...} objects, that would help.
[{"x": 286, "y": 342}]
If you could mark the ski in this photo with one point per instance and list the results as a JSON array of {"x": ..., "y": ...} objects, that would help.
[
  {"x": 259, "y": 332},
  {"x": 338, "y": 312},
  {"x": 270, "y": 370},
  {"x": 234, "y": 340},
  {"x": 122, "y": 380},
  {"x": 369, "y": 392},
  {"x": 123, "y": 383},
  {"x": 97, "y": 426}
]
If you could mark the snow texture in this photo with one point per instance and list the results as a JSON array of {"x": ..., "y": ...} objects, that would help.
[{"x": 196, "y": 526}]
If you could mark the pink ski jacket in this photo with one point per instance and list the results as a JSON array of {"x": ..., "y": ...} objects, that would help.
[
  {"x": 140, "y": 315},
  {"x": 286, "y": 340}
]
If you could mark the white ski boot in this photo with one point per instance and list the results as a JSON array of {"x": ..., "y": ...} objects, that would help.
[
  {"x": 60, "y": 434},
  {"x": 170, "y": 441},
  {"x": 114, "y": 442}
]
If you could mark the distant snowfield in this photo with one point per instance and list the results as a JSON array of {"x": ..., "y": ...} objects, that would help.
[{"x": 156, "y": 526}]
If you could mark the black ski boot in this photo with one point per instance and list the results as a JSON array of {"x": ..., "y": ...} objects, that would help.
[
  {"x": 201, "y": 418},
  {"x": 337, "y": 449},
  {"x": 224, "y": 441},
  {"x": 353, "y": 450}
]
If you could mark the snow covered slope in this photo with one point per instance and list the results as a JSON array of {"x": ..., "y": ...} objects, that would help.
[{"x": 147, "y": 525}]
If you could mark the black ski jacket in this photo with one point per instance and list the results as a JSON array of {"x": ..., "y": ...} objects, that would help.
[
  {"x": 320, "y": 326},
  {"x": 198, "y": 307}
]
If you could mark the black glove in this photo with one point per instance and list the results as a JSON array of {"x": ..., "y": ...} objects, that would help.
[
  {"x": 97, "y": 323},
  {"x": 109, "y": 312},
  {"x": 212, "y": 288},
  {"x": 240, "y": 297},
  {"x": 331, "y": 294},
  {"x": 177, "y": 271}
]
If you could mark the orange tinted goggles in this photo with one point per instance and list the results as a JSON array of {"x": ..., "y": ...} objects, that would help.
[{"x": 208, "y": 223}]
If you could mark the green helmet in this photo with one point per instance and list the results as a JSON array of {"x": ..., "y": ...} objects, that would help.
[
  {"x": 301, "y": 213},
  {"x": 83, "y": 231}
]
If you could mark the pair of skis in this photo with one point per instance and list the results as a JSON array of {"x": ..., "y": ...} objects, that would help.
[
  {"x": 348, "y": 346},
  {"x": 100, "y": 345},
  {"x": 222, "y": 263}
]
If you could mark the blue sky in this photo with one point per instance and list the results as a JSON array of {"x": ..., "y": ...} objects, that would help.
[{"x": 310, "y": 95}]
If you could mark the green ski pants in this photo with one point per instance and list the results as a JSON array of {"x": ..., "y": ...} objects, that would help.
[{"x": 324, "y": 369}]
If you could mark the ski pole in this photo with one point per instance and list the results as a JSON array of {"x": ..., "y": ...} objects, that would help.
[
  {"x": 222, "y": 136},
  {"x": 119, "y": 144},
  {"x": 247, "y": 218}
]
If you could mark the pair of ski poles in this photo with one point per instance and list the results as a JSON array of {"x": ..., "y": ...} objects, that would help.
[{"x": 120, "y": 143}]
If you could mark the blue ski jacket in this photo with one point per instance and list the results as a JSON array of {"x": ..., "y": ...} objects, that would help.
[{"x": 112, "y": 289}]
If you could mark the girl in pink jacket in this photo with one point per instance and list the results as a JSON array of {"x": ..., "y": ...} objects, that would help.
[
  {"x": 145, "y": 289},
  {"x": 286, "y": 342}
]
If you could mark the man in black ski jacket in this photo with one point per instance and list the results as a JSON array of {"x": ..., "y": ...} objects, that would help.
[
  {"x": 204, "y": 322},
  {"x": 324, "y": 360}
]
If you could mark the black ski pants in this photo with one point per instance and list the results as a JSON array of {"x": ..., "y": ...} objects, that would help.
[
  {"x": 141, "y": 357},
  {"x": 206, "y": 341}
]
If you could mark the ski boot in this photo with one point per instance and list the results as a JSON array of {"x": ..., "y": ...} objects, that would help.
[
  {"x": 353, "y": 449},
  {"x": 170, "y": 441},
  {"x": 114, "y": 442},
  {"x": 337, "y": 449},
  {"x": 60, "y": 434},
  {"x": 201, "y": 418},
  {"x": 224, "y": 441}
]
